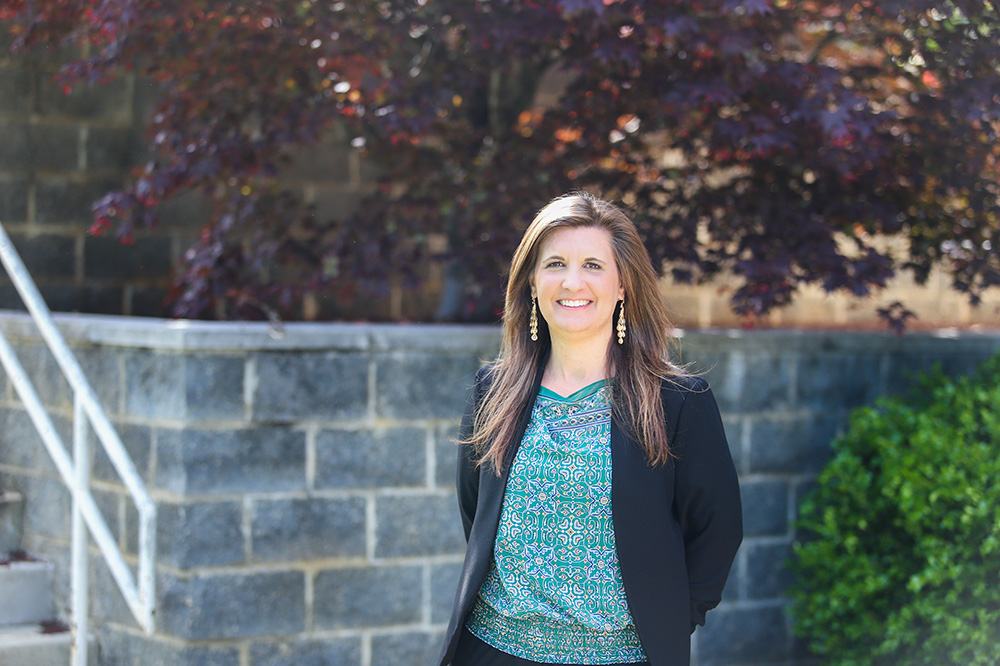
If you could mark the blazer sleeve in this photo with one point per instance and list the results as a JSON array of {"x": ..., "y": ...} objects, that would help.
[
  {"x": 468, "y": 472},
  {"x": 707, "y": 497}
]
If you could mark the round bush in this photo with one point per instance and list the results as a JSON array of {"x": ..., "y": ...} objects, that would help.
[{"x": 899, "y": 559}]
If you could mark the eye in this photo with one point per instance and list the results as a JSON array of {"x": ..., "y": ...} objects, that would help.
[
  {"x": 593, "y": 266},
  {"x": 555, "y": 263}
]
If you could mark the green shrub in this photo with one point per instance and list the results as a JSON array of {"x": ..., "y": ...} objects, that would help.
[{"x": 899, "y": 561}]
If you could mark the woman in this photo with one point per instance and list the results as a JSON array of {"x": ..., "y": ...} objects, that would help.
[{"x": 596, "y": 488}]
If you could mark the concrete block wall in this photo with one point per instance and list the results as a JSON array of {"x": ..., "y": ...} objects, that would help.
[
  {"x": 935, "y": 303},
  {"x": 61, "y": 151},
  {"x": 304, "y": 483},
  {"x": 784, "y": 396},
  {"x": 304, "y": 476}
]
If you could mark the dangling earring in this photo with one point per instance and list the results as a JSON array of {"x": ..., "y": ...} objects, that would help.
[
  {"x": 621, "y": 323},
  {"x": 533, "y": 323}
]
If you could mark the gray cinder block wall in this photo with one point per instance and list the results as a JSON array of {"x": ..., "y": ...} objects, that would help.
[
  {"x": 62, "y": 151},
  {"x": 304, "y": 476}
]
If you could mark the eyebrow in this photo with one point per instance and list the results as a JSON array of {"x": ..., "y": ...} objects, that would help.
[{"x": 559, "y": 256}]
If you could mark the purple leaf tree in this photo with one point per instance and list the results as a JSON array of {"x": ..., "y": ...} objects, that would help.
[{"x": 778, "y": 141}]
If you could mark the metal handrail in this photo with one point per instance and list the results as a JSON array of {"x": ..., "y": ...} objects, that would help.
[{"x": 86, "y": 408}]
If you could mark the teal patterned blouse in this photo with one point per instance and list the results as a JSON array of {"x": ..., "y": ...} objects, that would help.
[{"x": 554, "y": 592}]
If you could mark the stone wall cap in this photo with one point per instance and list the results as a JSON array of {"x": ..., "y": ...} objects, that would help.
[
  {"x": 193, "y": 335},
  {"x": 483, "y": 339},
  {"x": 836, "y": 340}
]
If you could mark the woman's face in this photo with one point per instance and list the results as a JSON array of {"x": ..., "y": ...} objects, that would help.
[{"x": 576, "y": 282}]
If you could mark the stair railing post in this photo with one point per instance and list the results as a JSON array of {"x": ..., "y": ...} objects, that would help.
[{"x": 79, "y": 576}]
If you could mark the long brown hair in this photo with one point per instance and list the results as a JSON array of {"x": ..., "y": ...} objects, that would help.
[{"x": 640, "y": 364}]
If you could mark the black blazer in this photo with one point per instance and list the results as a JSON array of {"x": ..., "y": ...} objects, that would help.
[{"x": 677, "y": 526}]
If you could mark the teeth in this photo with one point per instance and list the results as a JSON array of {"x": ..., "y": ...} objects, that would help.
[{"x": 573, "y": 304}]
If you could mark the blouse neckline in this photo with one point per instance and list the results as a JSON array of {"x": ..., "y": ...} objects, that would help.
[{"x": 576, "y": 396}]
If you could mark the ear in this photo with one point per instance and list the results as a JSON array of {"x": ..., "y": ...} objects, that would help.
[{"x": 531, "y": 283}]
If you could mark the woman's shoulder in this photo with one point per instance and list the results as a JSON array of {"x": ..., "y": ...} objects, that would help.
[
  {"x": 484, "y": 378},
  {"x": 485, "y": 374},
  {"x": 683, "y": 384},
  {"x": 681, "y": 389}
]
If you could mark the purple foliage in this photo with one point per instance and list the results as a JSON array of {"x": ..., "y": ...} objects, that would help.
[
  {"x": 776, "y": 141},
  {"x": 570, "y": 6},
  {"x": 747, "y": 6}
]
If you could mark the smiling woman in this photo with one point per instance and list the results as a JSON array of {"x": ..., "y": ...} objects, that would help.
[
  {"x": 586, "y": 456},
  {"x": 577, "y": 287}
]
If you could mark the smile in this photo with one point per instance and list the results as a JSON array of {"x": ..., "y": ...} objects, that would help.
[{"x": 573, "y": 304}]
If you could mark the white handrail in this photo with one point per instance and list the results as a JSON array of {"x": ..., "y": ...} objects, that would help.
[
  {"x": 80, "y": 589},
  {"x": 141, "y": 597}
]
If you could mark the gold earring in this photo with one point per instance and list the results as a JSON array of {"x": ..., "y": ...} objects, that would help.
[
  {"x": 621, "y": 323},
  {"x": 533, "y": 323}
]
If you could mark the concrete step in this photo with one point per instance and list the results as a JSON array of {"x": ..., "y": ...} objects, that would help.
[
  {"x": 11, "y": 517},
  {"x": 26, "y": 591},
  {"x": 29, "y": 645}
]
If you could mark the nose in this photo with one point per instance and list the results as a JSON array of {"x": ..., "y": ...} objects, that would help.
[{"x": 572, "y": 279}]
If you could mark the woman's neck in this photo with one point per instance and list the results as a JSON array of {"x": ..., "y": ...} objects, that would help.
[{"x": 575, "y": 364}]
